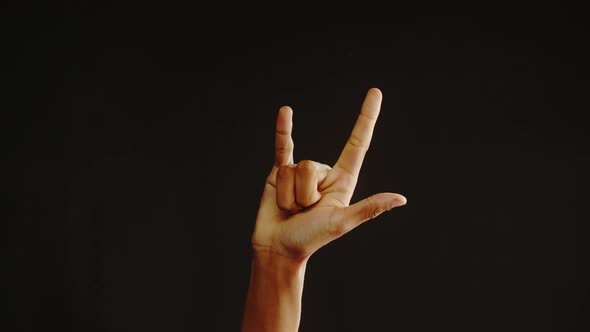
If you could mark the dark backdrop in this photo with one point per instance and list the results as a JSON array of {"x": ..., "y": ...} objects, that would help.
[{"x": 141, "y": 135}]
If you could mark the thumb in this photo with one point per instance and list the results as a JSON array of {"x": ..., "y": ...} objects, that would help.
[{"x": 369, "y": 208}]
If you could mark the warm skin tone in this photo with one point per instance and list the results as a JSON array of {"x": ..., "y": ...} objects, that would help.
[{"x": 304, "y": 206}]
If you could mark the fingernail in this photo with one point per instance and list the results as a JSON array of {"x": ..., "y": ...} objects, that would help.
[
  {"x": 398, "y": 201},
  {"x": 403, "y": 200}
]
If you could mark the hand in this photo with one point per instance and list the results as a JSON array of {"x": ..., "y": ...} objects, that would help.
[{"x": 304, "y": 206}]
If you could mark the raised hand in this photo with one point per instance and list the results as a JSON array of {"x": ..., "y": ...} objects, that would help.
[{"x": 306, "y": 205}]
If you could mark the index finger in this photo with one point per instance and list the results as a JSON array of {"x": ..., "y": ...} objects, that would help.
[
  {"x": 353, "y": 154},
  {"x": 283, "y": 140}
]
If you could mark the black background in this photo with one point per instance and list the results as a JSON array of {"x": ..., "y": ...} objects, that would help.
[{"x": 141, "y": 135}]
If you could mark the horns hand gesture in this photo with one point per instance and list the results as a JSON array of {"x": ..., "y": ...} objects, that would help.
[{"x": 305, "y": 205}]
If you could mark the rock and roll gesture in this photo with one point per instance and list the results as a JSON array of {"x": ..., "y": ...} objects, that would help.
[{"x": 305, "y": 205}]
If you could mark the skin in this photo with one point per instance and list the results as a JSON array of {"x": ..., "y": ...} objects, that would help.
[{"x": 305, "y": 206}]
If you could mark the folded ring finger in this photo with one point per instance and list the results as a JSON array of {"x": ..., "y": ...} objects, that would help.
[
  {"x": 306, "y": 183},
  {"x": 286, "y": 189}
]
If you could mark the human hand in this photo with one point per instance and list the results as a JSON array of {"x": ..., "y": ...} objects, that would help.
[{"x": 304, "y": 206}]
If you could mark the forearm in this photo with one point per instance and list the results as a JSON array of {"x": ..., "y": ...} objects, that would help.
[{"x": 273, "y": 301}]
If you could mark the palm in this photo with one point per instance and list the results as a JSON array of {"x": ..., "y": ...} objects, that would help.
[{"x": 289, "y": 227}]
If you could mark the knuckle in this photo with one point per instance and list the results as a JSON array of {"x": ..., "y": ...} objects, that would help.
[
  {"x": 304, "y": 201},
  {"x": 308, "y": 200},
  {"x": 373, "y": 213},
  {"x": 293, "y": 208},
  {"x": 283, "y": 205},
  {"x": 283, "y": 172},
  {"x": 357, "y": 142},
  {"x": 305, "y": 167},
  {"x": 286, "y": 147},
  {"x": 373, "y": 208}
]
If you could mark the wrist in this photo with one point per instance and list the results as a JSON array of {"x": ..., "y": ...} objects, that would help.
[
  {"x": 270, "y": 262},
  {"x": 275, "y": 291}
]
